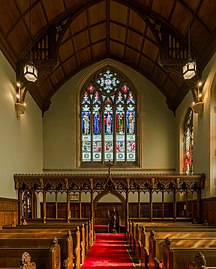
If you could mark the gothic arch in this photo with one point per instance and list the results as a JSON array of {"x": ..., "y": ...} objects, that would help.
[{"x": 113, "y": 192}]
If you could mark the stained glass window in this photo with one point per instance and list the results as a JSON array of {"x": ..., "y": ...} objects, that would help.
[
  {"x": 108, "y": 119},
  {"x": 188, "y": 142}
]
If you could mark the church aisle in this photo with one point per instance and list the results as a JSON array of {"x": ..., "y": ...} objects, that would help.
[{"x": 108, "y": 251}]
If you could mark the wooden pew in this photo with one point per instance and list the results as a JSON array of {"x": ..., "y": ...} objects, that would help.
[
  {"x": 176, "y": 258},
  {"x": 85, "y": 229},
  {"x": 26, "y": 262},
  {"x": 199, "y": 262},
  {"x": 157, "y": 254},
  {"x": 156, "y": 245},
  {"x": 139, "y": 238},
  {"x": 46, "y": 258},
  {"x": 69, "y": 241},
  {"x": 59, "y": 225}
]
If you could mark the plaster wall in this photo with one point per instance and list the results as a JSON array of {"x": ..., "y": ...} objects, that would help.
[
  {"x": 21, "y": 141},
  {"x": 156, "y": 125}
]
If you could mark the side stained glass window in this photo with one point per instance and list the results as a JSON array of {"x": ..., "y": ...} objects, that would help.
[
  {"x": 188, "y": 142},
  {"x": 108, "y": 119}
]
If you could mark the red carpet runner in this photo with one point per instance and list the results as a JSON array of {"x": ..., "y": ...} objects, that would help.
[{"x": 108, "y": 251}]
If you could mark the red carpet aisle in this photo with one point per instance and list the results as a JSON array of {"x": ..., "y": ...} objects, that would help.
[{"x": 108, "y": 251}]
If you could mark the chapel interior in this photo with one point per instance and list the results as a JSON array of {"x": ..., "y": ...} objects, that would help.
[{"x": 108, "y": 112}]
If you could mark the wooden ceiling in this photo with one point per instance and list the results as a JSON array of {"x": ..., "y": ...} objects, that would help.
[{"x": 151, "y": 36}]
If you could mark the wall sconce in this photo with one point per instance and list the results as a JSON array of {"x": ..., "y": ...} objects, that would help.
[
  {"x": 198, "y": 103},
  {"x": 20, "y": 104}
]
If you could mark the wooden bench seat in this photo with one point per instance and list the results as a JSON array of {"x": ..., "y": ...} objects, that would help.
[
  {"x": 25, "y": 262},
  {"x": 72, "y": 248},
  {"x": 81, "y": 240},
  {"x": 138, "y": 238},
  {"x": 180, "y": 257},
  {"x": 46, "y": 257},
  {"x": 88, "y": 227}
]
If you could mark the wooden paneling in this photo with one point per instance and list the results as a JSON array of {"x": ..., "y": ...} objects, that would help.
[
  {"x": 208, "y": 211},
  {"x": 8, "y": 211}
]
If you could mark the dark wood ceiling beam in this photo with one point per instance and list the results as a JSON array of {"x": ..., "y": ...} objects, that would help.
[
  {"x": 108, "y": 27},
  {"x": 143, "y": 42},
  {"x": 131, "y": 29},
  {"x": 194, "y": 13},
  {"x": 44, "y": 12},
  {"x": 86, "y": 28},
  {"x": 126, "y": 34},
  {"x": 89, "y": 32},
  {"x": 22, "y": 16}
]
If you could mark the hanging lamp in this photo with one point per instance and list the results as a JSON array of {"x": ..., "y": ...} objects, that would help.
[
  {"x": 30, "y": 72},
  {"x": 189, "y": 69}
]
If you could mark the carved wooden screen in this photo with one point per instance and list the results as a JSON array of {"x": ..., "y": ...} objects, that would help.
[{"x": 108, "y": 119}]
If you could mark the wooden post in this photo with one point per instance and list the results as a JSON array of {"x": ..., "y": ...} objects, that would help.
[
  {"x": 68, "y": 206},
  {"x": 198, "y": 205},
  {"x": 150, "y": 205},
  {"x": 44, "y": 206},
  {"x": 80, "y": 205},
  {"x": 19, "y": 206},
  {"x": 56, "y": 204},
  {"x": 162, "y": 204},
  {"x": 138, "y": 204},
  {"x": 126, "y": 211},
  {"x": 92, "y": 206},
  {"x": 186, "y": 205},
  {"x": 174, "y": 204}
]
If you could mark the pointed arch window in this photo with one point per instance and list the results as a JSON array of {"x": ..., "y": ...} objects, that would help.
[
  {"x": 108, "y": 119},
  {"x": 188, "y": 142}
]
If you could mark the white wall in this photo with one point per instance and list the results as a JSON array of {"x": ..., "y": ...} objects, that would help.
[
  {"x": 21, "y": 141},
  {"x": 204, "y": 139},
  {"x": 157, "y": 136}
]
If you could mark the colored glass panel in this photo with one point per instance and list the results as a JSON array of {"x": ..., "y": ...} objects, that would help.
[
  {"x": 188, "y": 145},
  {"x": 108, "y": 119}
]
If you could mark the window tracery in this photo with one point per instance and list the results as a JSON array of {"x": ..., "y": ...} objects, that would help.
[{"x": 108, "y": 119}]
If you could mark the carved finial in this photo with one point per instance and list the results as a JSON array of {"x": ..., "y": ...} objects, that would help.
[
  {"x": 109, "y": 165},
  {"x": 152, "y": 233},
  {"x": 200, "y": 260},
  {"x": 167, "y": 242},
  {"x": 55, "y": 241}
]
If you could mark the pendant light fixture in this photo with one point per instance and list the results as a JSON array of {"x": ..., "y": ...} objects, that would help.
[
  {"x": 189, "y": 69},
  {"x": 30, "y": 72}
]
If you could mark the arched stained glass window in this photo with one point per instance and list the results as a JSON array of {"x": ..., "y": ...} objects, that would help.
[
  {"x": 188, "y": 142},
  {"x": 108, "y": 119}
]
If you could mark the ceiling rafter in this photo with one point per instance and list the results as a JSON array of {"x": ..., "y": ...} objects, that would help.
[{"x": 135, "y": 34}]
